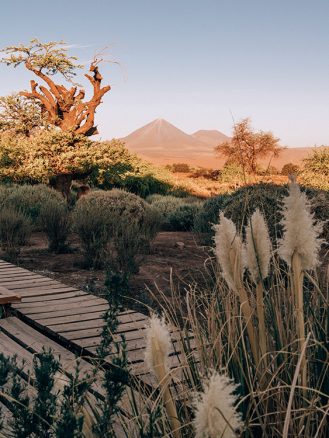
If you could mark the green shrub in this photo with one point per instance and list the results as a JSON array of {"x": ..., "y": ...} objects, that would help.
[
  {"x": 208, "y": 215},
  {"x": 267, "y": 197},
  {"x": 166, "y": 207},
  {"x": 4, "y": 193},
  {"x": 55, "y": 221},
  {"x": 243, "y": 202},
  {"x": 15, "y": 230},
  {"x": 182, "y": 219},
  {"x": 90, "y": 222},
  {"x": 30, "y": 198},
  {"x": 145, "y": 185},
  {"x": 115, "y": 226}
]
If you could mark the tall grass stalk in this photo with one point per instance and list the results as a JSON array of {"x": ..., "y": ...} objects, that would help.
[{"x": 157, "y": 351}]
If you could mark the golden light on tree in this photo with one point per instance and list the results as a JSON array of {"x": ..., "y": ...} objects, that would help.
[
  {"x": 62, "y": 107},
  {"x": 246, "y": 147},
  {"x": 55, "y": 118}
]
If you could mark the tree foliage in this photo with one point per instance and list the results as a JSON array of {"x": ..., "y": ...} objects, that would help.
[
  {"x": 51, "y": 153},
  {"x": 246, "y": 147},
  {"x": 20, "y": 115},
  {"x": 315, "y": 171}
]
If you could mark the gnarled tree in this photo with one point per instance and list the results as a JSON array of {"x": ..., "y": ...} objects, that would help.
[{"x": 61, "y": 107}]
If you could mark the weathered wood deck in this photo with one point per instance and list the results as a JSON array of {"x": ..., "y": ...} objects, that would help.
[{"x": 53, "y": 314}]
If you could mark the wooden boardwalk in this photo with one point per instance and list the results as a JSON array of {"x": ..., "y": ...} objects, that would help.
[
  {"x": 47, "y": 313},
  {"x": 73, "y": 318}
]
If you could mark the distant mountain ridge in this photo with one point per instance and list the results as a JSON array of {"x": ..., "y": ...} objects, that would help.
[{"x": 163, "y": 143}]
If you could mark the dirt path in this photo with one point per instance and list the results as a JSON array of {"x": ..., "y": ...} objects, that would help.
[{"x": 173, "y": 255}]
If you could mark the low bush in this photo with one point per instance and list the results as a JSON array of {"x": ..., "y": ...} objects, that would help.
[
  {"x": 90, "y": 222},
  {"x": 182, "y": 219},
  {"x": 179, "y": 167},
  {"x": 177, "y": 214},
  {"x": 315, "y": 171},
  {"x": 290, "y": 169},
  {"x": 145, "y": 185},
  {"x": 232, "y": 174},
  {"x": 240, "y": 205},
  {"x": 55, "y": 221},
  {"x": 116, "y": 227},
  {"x": 267, "y": 197},
  {"x": 15, "y": 230},
  {"x": 211, "y": 174},
  {"x": 29, "y": 199},
  {"x": 4, "y": 193},
  {"x": 207, "y": 215}
]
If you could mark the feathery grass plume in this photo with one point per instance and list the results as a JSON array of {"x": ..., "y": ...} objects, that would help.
[
  {"x": 229, "y": 252},
  {"x": 156, "y": 357},
  {"x": 301, "y": 233},
  {"x": 258, "y": 256},
  {"x": 215, "y": 412},
  {"x": 300, "y": 248},
  {"x": 258, "y": 247},
  {"x": 157, "y": 344}
]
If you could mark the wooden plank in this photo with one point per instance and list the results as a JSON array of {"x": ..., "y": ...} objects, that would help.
[
  {"x": 23, "y": 339},
  {"x": 71, "y": 310},
  {"x": 34, "y": 340},
  {"x": 65, "y": 321},
  {"x": 59, "y": 294},
  {"x": 42, "y": 305},
  {"x": 67, "y": 308},
  {"x": 7, "y": 297},
  {"x": 20, "y": 278},
  {"x": 22, "y": 284},
  {"x": 4, "y": 276},
  {"x": 42, "y": 292}
]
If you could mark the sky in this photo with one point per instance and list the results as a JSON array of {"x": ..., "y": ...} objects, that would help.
[{"x": 200, "y": 64}]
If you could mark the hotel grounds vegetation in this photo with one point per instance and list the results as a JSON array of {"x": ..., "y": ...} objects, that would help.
[{"x": 253, "y": 332}]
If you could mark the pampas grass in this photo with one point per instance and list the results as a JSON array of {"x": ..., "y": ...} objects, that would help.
[
  {"x": 299, "y": 248},
  {"x": 156, "y": 358},
  {"x": 215, "y": 412},
  {"x": 258, "y": 256},
  {"x": 230, "y": 254}
]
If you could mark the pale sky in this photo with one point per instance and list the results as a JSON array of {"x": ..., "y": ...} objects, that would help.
[{"x": 197, "y": 63}]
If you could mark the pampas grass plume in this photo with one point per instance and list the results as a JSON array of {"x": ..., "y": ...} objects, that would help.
[
  {"x": 229, "y": 251},
  {"x": 215, "y": 412},
  {"x": 301, "y": 234},
  {"x": 157, "y": 344},
  {"x": 258, "y": 247}
]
